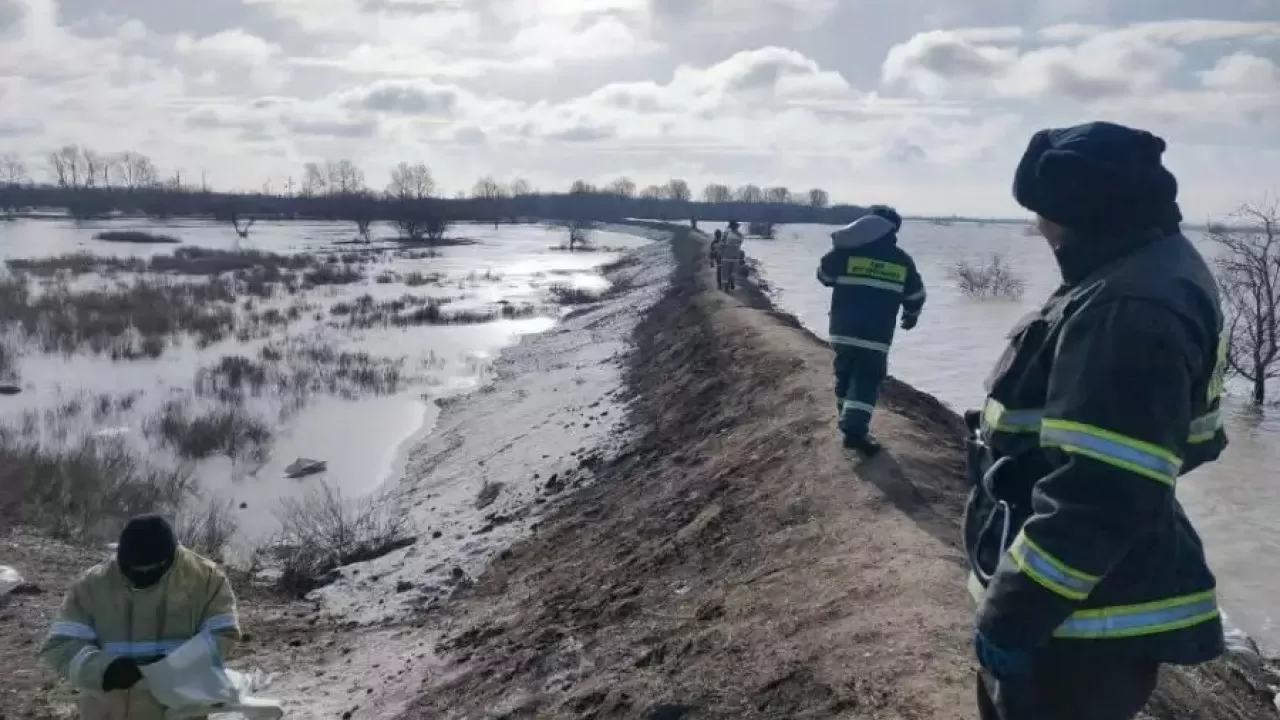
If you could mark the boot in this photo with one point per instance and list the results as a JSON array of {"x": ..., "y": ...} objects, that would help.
[{"x": 865, "y": 444}]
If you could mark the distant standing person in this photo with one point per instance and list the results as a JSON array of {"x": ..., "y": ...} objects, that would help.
[
  {"x": 731, "y": 258},
  {"x": 1093, "y": 576},
  {"x": 133, "y": 610},
  {"x": 871, "y": 280},
  {"x": 717, "y": 243}
]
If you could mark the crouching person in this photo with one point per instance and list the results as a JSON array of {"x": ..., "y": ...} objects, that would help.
[
  {"x": 132, "y": 611},
  {"x": 871, "y": 280}
]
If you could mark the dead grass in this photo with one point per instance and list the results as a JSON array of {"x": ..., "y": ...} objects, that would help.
[
  {"x": 208, "y": 528},
  {"x": 414, "y": 310},
  {"x": 294, "y": 369},
  {"x": 229, "y": 430},
  {"x": 332, "y": 274},
  {"x": 570, "y": 295},
  {"x": 136, "y": 236},
  {"x": 323, "y": 530},
  {"x": 127, "y": 321},
  {"x": 84, "y": 489}
]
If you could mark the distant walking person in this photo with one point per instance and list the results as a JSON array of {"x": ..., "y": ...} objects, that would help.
[
  {"x": 731, "y": 258},
  {"x": 871, "y": 279},
  {"x": 717, "y": 244},
  {"x": 1088, "y": 573}
]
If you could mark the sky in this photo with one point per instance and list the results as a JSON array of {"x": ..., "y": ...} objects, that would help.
[{"x": 922, "y": 104}]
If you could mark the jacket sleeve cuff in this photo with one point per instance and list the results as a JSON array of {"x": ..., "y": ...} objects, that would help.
[
  {"x": 1018, "y": 613},
  {"x": 86, "y": 668}
]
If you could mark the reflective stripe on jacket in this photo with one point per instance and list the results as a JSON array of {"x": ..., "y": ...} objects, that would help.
[
  {"x": 1103, "y": 399},
  {"x": 871, "y": 279},
  {"x": 102, "y": 617}
]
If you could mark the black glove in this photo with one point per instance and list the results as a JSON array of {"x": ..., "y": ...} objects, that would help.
[
  {"x": 121, "y": 674},
  {"x": 909, "y": 321}
]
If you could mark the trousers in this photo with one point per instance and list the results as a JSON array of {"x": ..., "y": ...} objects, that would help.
[
  {"x": 1070, "y": 688},
  {"x": 859, "y": 373},
  {"x": 728, "y": 272}
]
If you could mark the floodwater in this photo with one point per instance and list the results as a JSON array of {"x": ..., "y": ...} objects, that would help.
[
  {"x": 1233, "y": 502},
  {"x": 364, "y": 439}
]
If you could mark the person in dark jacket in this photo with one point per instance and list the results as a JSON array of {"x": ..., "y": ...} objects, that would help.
[
  {"x": 1089, "y": 575},
  {"x": 871, "y": 279}
]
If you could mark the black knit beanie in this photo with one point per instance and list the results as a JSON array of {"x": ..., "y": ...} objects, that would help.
[
  {"x": 889, "y": 214},
  {"x": 147, "y": 549},
  {"x": 1098, "y": 177}
]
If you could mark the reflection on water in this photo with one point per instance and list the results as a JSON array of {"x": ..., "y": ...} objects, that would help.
[
  {"x": 1233, "y": 502},
  {"x": 364, "y": 438}
]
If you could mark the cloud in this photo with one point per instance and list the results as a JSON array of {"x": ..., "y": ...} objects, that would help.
[
  {"x": 1242, "y": 71},
  {"x": 406, "y": 98},
  {"x": 917, "y": 103},
  {"x": 1138, "y": 71}
]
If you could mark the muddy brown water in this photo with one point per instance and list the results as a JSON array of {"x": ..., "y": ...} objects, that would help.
[{"x": 1233, "y": 502}]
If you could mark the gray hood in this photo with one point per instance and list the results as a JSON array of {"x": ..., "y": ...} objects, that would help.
[{"x": 863, "y": 231}]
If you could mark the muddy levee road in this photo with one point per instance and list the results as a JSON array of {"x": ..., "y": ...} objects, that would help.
[{"x": 735, "y": 563}]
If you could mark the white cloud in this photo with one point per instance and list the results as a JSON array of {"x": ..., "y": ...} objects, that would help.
[
  {"x": 1244, "y": 72},
  {"x": 766, "y": 91}
]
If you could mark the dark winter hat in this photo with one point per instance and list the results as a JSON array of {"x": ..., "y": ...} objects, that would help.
[
  {"x": 1097, "y": 177},
  {"x": 147, "y": 550},
  {"x": 889, "y": 214}
]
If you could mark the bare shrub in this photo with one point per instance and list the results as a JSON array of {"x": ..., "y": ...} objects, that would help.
[
  {"x": 1248, "y": 270},
  {"x": 995, "y": 279},
  {"x": 125, "y": 321},
  {"x": 75, "y": 264},
  {"x": 136, "y": 236},
  {"x": 82, "y": 490},
  {"x": 323, "y": 530},
  {"x": 332, "y": 274},
  {"x": 296, "y": 369},
  {"x": 418, "y": 279},
  {"x": 570, "y": 295},
  {"x": 229, "y": 430},
  {"x": 208, "y": 261},
  {"x": 8, "y": 362},
  {"x": 208, "y": 528},
  {"x": 580, "y": 236}
]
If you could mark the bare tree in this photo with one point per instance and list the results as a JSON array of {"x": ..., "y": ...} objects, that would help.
[
  {"x": 623, "y": 187},
  {"x": 342, "y": 177},
  {"x": 819, "y": 198},
  {"x": 135, "y": 171},
  {"x": 779, "y": 195},
  {"x": 678, "y": 190},
  {"x": 13, "y": 172},
  {"x": 717, "y": 193},
  {"x": 314, "y": 180},
  {"x": 653, "y": 192},
  {"x": 580, "y": 187},
  {"x": 486, "y": 188},
  {"x": 520, "y": 187},
  {"x": 1248, "y": 267},
  {"x": 410, "y": 190},
  {"x": 94, "y": 166},
  {"x": 579, "y": 235},
  {"x": 66, "y": 168},
  {"x": 240, "y": 224},
  {"x": 750, "y": 194}
]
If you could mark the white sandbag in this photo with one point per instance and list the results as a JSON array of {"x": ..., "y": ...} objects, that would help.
[{"x": 191, "y": 683}]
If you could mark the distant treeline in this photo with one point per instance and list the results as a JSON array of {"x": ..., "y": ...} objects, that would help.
[
  {"x": 88, "y": 184},
  {"x": 161, "y": 203}
]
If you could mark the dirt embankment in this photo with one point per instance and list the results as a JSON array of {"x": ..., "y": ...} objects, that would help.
[{"x": 737, "y": 564}]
